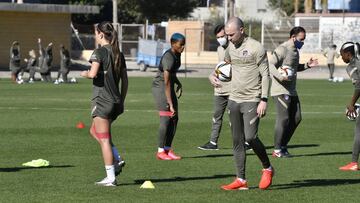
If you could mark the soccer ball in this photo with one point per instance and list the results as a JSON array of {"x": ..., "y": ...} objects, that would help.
[
  {"x": 338, "y": 79},
  {"x": 353, "y": 117},
  {"x": 286, "y": 71},
  {"x": 73, "y": 80},
  {"x": 223, "y": 71}
]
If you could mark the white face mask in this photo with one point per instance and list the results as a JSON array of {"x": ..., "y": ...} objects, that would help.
[{"x": 222, "y": 41}]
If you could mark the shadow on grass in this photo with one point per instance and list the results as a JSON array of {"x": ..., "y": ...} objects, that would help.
[
  {"x": 267, "y": 147},
  {"x": 290, "y": 146},
  {"x": 16, "y": 169},
  {"x": 323, "y": 154},
  {"x": 208, "y": 156},
  {"x": 179, "y": 179},
  {"x": 315, "y": 183}
]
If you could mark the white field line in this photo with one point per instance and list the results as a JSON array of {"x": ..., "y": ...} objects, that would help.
[{"x": 143, "y": 111}]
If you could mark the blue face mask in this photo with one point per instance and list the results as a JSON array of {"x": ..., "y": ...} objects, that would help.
[{"x": 298, "y": 44}]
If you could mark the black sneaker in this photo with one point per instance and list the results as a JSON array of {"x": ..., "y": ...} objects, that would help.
[
  {"x": 285, "y": 153},
  {"x": 209, "y": 146},
  {"x": 119, "y": 166},
  {"x": 247, "y": 146}
]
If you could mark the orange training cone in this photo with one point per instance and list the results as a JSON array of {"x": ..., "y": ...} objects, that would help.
[{"x": 80, "y": 125}]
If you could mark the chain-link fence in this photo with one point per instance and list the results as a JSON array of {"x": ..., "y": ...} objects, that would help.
[{"x": 275, "y": 33}]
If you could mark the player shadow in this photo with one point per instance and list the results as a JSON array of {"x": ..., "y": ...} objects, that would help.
[
  {"x": 315, "y": 183},
  {"x": 208, "y": 156},
  {"x": 16, "y": 169},
  {"x": 179, "y": 179},
  {"x": 289, "y": 147},
  {"x": 323, "y": 154}
]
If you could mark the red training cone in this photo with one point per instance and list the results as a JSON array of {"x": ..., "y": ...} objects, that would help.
[{"x": 80, "y": 125}]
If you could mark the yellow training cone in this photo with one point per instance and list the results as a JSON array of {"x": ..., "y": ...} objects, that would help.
[{"x": 147, "y": 185}]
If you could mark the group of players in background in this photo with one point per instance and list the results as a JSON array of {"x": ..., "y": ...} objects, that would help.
[
  {"x": 41, "y": 64},
  {"x": 254, "y": 76}
]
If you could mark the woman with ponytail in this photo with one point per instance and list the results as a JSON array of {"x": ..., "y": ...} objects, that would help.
[
  {"x": 350, "y": 55},
  {"x": 107, "y": 70},
  {"x": 163, "y": 89}
]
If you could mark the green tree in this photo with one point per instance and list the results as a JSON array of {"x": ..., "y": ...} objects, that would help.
[
  {"x": 286, "y": 7},
  {"x": 136, "y": 11},
  {"x": 160, "y": 10}
]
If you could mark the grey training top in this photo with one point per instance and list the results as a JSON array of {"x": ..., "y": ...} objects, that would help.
[
  {"x": 170, "y": 62},
  {"x": 250, "y": 72},
  {"x": 15, "y": 57},
  {"x": 106, "y": 82},
  {"x": 331, "y": 54},
  {"x": 353, "y": 70},
  {"x": 285, "y": 54},
  {"x": 64, "y": 59}
]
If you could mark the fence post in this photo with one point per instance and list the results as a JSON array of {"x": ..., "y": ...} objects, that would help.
[
  {"x": 250, "y": 29},
  {"x": 262, "y": 32}
]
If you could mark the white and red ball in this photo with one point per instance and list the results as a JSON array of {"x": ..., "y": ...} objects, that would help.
[
  {"x": 286, "y": 71},
  {"x": 353, "y": 116},
  {"x": 223, "y": 71}
]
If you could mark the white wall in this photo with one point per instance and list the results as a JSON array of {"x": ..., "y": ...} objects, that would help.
[
  {"x": 204, "y": 13},
  {"x": 254, "y": 9}
]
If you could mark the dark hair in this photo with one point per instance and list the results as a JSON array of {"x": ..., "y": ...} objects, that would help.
[
  {"x": 218, "y": 28},
  {"x": 176, "y": 37},
  {"x": 351, "y": 47},
  {"x": 334, "y": 46},
  {"x": 111, "y": 35},
  {"x": 297, "y": 30}
]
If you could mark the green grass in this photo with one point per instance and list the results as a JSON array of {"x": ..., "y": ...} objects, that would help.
[{"x": 38, "y": 121}]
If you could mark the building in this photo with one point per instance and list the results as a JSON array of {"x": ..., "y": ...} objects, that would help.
[
  {"x": 28, "y": 22},
  {"x": 245, "y": 9}
]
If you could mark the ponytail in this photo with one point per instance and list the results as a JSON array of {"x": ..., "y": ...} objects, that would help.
[
  {"x": 116, "y": 51},
  {"x": 111, "y": 35}
]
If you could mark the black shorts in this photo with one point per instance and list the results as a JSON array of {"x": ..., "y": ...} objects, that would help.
[{"x": 106, "y": 109}]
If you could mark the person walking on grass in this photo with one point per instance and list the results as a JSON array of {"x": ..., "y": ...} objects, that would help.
[
  {"x": 166, "y": 97},
  {"x": 350, "y": 54},
  {"x": 330, "y": 54},
  {"x": 107, "y": 70},
  {"x": 221, "y": 93},
  {"x": 250, "y": 85},
  {"x": 283, "y": 89}
]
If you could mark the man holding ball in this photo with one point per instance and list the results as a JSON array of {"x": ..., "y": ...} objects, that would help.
[
  {"x": 283, "y": 88},
  {"x": 247, "y": 100}
]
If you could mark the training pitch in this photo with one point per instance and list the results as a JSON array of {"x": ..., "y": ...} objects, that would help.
[{"x": 38, "y": 121}]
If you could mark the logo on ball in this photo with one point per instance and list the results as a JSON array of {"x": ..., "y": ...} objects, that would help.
[{"x": 223, "y": 71}]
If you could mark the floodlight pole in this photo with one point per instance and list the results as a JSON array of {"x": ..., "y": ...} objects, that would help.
[
  {"x": 115, "y": 16},
  {"x": 225, "y": 11}
]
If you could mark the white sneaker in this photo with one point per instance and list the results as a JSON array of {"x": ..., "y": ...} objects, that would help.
[
  {"x": 31, "y": 80},
  {"x": 107, "y": 183},
  {"x": 56, "y": 82},
  {"x": 20, "y": 81},
  {"x": 61, "y": 80}
]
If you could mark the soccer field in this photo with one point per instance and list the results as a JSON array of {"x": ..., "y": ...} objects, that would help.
[{"x": 38, "y": 121}]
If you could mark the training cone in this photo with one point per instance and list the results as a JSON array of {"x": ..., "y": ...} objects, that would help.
[
  {"x": 80, "y": 125},
  {"x": 147, "y": 185}
]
